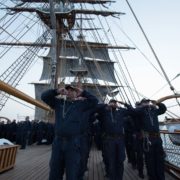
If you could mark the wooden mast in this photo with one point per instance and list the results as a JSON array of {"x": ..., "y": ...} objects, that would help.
[
  {"x": 54, "y": 46},
  {"x": 168, "y": 97}
]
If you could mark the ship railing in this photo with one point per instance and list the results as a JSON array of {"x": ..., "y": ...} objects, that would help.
[{"x": 172, "y": 152}]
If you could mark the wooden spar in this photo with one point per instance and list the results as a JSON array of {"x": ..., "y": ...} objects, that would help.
[
  {"x": 74, "y": 1},
  {"x": 12, "y": 91},
  {"x": 68, "y": 45},
  {"x": 168, "y": 97},
  {"x": 66, "y": 14},
  {"x": 159, "y": 100}
]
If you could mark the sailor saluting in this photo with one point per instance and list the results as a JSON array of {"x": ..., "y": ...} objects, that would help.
[{"x": 69, "y": 115}]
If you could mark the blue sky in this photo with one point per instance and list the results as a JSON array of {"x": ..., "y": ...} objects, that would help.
[{"x": 160, "y": 21}]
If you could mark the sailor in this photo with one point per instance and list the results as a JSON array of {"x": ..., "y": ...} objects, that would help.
[
  {"x": 69, "y": 114},
  {"x": 49, "y": 133},
  {"x": 149, "y": 111},
  {"x": 85, "y": 143},
  {"x": 112, "y": 118},
  {"x": 25, "y": 129},
  {"x": 138, "y": 144},
  {"x": 129, "y": 130},
  {"x": 41, "y": 129}
]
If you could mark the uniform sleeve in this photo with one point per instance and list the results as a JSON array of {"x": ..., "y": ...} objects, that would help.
[
  {"x": 91, "y": 99},
  {"x": 49, "y": 97},
  {"x": 162, "y": 108}
]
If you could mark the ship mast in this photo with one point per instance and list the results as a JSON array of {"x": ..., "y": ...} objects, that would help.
[
  {"x": 81, "y": 71},
  {"x": 54, "y": 45},
  {"x": 94, "y": 64}
]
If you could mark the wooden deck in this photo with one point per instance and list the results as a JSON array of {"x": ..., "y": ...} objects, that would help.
[{"x": 32, "y": 164}]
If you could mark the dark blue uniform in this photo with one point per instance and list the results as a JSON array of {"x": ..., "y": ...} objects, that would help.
[
  {"x": 129, "y": 129},
  {"x": 114, "y": 148},
  {"x": 152, "y": 143},
  {"x": 70, "y": 117},
  {"x": 138, "y": 145}
]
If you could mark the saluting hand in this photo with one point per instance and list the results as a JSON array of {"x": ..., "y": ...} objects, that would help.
[
  {"x": 80, "y": 98},
  {"x": 62, "y": 91},
  {"x": 79, "y": 91}
]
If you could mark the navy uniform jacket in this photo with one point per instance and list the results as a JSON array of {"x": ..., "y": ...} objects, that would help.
[
  {"x": 70, "y": 116},
  {"x": 149, "y": 116},
  {"x": 112, "y": 119}
]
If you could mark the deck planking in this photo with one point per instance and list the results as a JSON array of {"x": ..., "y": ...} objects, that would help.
[{"x": 33, "y": 164}]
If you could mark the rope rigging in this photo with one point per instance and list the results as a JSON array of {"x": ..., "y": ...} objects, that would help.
[
  {"x": 16, "y": 71},
  {"x": 16, "y": 38},
  {"x": 120, "y": 73},
  {"x": 121, "y": 68},
  {"x": 119, "y": 65},
  {"x": 153, "y": 51}
]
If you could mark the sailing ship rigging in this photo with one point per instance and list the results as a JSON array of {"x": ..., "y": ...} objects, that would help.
[
  {"x": 71, "y": 19},
  {"x": 77, "y": 46}
]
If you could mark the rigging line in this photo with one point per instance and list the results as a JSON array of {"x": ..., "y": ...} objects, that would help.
[
  {"x": 3, "y": 17},
  {"x": 173, "y": 106},
  {"x": 96, "y": 64},
  {"x": 98, "y": 38},
  {"x": 61, "y": 60},
  {"x": 140, "y": 50},
  {"x": 124, "y": 65},
  {"x": 157, "y": 59},
  {"x": 3, "y": 4},
  {"x": 10, "y": 34},
  {"x": 27, "y": 17},
  {"x": 10, "y": 21},
  {"x": 158, "y": 90},
  {"x": 170, "y": 113},
  {"x": 116, "y": 58},
  {"x": 81, "y": 55},
  {"x": 98, "y": 67},
  {"x": 109, "y": 67},
  {"x": 165, "y": 75},
  {"x": 26, "y": 26},
  {"x": 12, "y": 67},
  {"x": 28, "y": 29},
  {"x": 117, "y": 61},
  {"x": 4, "y": 28},
  {"x": 19, "y": 71},
  {"x": 164, "y": 85},
  {"x": 19, "y": 102},
  {"x": 95, "y": 80},
  {"x": 15, "y": 16}
]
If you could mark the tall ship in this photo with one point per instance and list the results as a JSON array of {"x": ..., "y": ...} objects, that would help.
[{"x": 77, "y": 44}]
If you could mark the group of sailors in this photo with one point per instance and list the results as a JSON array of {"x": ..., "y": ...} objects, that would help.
[
  {"x": 118, "y": 129},
  {"x": 27, "y": 132}
]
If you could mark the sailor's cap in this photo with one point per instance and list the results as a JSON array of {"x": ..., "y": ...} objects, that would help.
[
  {"x": 112, "y": 101},
  {"x": 70, "y": 87},
  {"x": 145, "y": 100}
]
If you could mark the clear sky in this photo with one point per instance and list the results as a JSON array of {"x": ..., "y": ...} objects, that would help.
[{"x": 160, "y": 21}]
